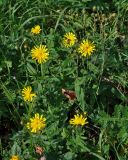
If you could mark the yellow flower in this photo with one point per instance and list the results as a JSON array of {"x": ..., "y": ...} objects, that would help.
[
  {"x": 27, "y": 93},
  {"x": 40, "y": 53},
  {"x": 78, "y": 120},
  {"x": 69, "y": 39},
  {"x": 14, "y": 157},
  {"x": 36, "y": 123},
  {"x": 86, "y": 48},
  {"x": 36, "y": 29}
]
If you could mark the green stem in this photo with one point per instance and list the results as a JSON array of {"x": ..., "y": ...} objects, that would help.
[{"x": 42, "y": 71}]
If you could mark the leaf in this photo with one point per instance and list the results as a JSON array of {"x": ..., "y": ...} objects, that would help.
[
  {"x": 80, "y": 95},
  {"x": 8, "y": 63},
  {"x": 78, "y": 25},
  {"x": 30, "y": 69},
  {"x": 16, "y": 150},
  {"x": 82, "y": 99},
  {"x": 8, "y": 93},
  {"x": 64, "y": 133},
  {"x": 96, "y": 155},
  {"x": 69, "y": 156},
  {"x": 93, "y": 68},
  {"x": 1, "y": 2}
]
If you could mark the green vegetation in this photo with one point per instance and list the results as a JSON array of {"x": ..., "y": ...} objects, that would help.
[{"x": 98, "y": 78}]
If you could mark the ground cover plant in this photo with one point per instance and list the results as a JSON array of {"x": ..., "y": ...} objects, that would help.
[{"x": 64, "y": 79}]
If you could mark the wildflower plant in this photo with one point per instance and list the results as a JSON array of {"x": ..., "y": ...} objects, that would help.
[
  {"x": 36, "y": 30},
  {"x": 78, "y": 120},
  {"x": 37, "y": 123},
  {"x": 40, "y": 53},
  {"x": 69, "y": 39},
  {"x": 15, "y": 157},
  {"x": 76, "y": 106},
  {"x": 27, "y": 93},
  {"x": 86, "y": 48}
]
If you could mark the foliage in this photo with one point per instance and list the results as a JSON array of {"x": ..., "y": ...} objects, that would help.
[{"x": 100, "y": 81}]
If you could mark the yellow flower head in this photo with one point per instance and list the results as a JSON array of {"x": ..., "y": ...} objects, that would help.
[
  {"x": 40, "y": 53},
  {"x": 86, "y": 48},
  {"x": 27, "y": 93},
  {"x": 14, "y": 157},
  {"x": 36, "y": 30},
  {"x": 69, "y": 39},
  {"x": 78, "y": 120},
  {"x": 36, "y": 123}
]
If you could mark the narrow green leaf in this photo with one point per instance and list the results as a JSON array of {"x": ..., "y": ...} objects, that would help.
[{"x": 30, "y": 69}]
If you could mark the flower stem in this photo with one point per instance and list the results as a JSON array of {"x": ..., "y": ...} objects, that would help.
[{"x": 42, "y": 72}]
